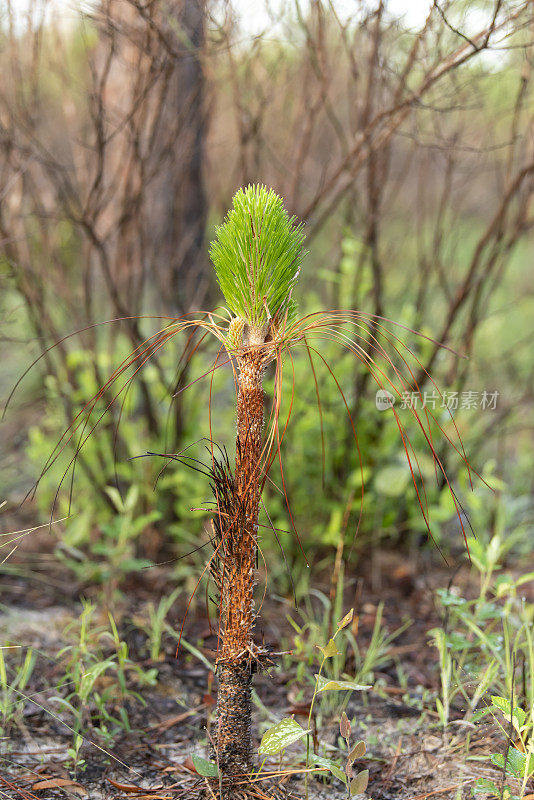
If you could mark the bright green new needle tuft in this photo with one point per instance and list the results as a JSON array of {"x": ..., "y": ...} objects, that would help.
[{"x": 257, "y": 255}]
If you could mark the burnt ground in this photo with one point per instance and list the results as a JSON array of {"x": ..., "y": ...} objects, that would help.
[{"x": 408, "y": 755}]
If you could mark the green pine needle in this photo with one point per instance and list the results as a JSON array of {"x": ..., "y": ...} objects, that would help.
[{"x": 257, "y": 256}]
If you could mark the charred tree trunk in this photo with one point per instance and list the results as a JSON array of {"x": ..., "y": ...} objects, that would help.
[
  {"x": 238, "y": 544},
  {"x": 188, "y": 262},
  {"x": 180, "y": 203}
]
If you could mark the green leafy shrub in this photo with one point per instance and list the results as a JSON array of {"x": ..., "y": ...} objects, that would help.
[{"x": 106, "y": 498}]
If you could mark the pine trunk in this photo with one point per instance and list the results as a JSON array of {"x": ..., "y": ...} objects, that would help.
[{"x": 238, "y": 556}]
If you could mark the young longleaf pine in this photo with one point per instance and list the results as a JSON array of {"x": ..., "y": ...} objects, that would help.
[{"x": 257, "y": 256}]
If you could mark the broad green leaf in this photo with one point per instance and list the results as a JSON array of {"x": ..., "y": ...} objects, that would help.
[
  {"x": 359, "y": 784},
  {"x": 484, "y": 785},
  {"x": 280, "y": 736},
  {"x": 325, "y": 685},
  {"x": 516, "y": 763},
  {"x": 204, "y": 767},
  {"x": 330, "y": 650},
  {"x": 358, "y": 751},
  {"x": 392, "y": 481},
  {"x": 517, "y": 715},
  {"x": 347, "y": 619},
  {"x": 334, "y": 768}
]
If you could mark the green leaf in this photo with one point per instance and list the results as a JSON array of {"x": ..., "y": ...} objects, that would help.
[
  {"x": 325, "y": 685},
  {"x": 449, "y": 599},
  {"x": 478, "y": 554},
  {"x": 334, "y": 768},
  {"x": 90, "y": 677},
  {"x": 484, "y": 785},
  {"x": 115, "y": 497},
  {"x": 494, "y": 483},
  {"x": 516, "y": 763},
  {"x": 359, "y": 784},
  {"x": 392, "y": 481},
  {"x": 356, "y": 478},
  {"x": 204, "y": 767},
  {"x": 358, "y": 751},
  {"x": 330, "y": 650},
  {"x": 517, "y": 715},
  {"x": 280, "y": 736}
]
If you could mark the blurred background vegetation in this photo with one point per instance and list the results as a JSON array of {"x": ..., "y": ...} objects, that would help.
[{"x": 407, "y": 149}]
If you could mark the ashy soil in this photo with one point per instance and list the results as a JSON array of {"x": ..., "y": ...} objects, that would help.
[{"x": 408, "y": 755}]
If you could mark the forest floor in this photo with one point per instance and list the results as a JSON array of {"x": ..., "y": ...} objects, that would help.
[{"x": 409, "y": 756}]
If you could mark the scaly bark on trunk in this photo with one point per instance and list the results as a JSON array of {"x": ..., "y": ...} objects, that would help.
[{"x": 238, "y": 556}]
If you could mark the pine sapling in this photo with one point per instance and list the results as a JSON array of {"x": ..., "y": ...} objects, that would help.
[{"x": 257, "y": 256}]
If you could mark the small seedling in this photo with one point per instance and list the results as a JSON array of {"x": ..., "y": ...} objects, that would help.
[
  {"x": 157, "y": 624},
  {"x": 11, "y": 687},
  {"x": 356, "y": 784},
  {"x": 480, "y": 638},
  {"x": 73, "y": 754},
  {"x": 89, "y": 697},
  {"x": 330, "y": 650},
  {"x": 517, "y": 763},
  {"x": 288, "y": 731}
]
